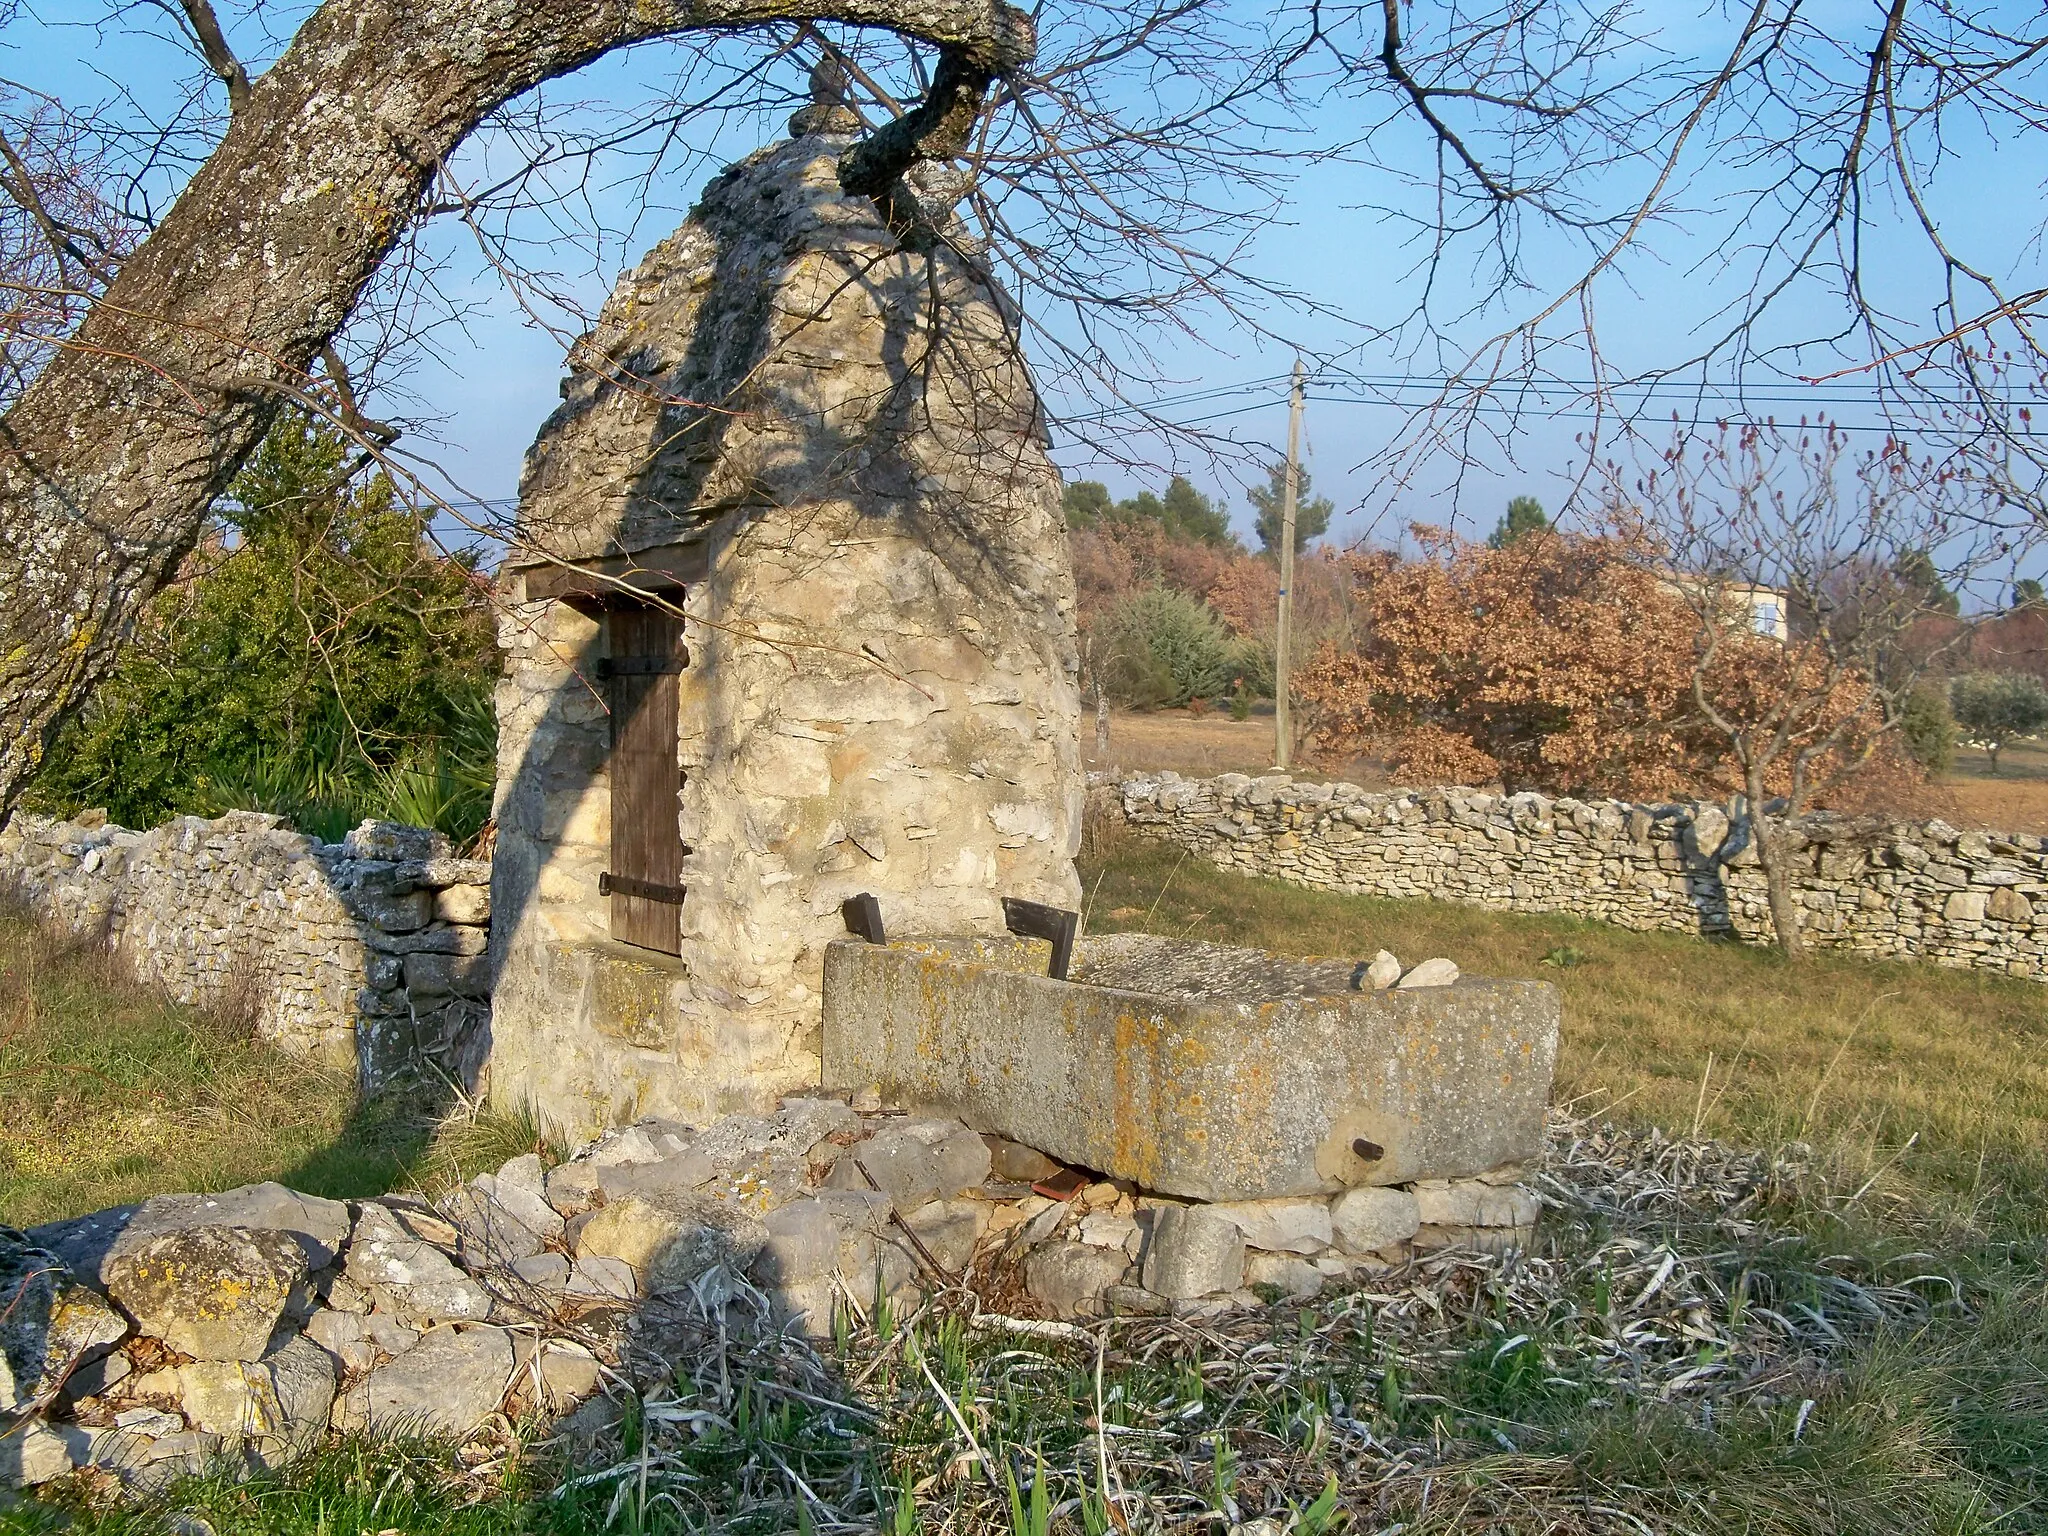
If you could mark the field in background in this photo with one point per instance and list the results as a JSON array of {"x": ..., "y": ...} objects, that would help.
[
  {"x": 1198, "y": 746},
  {"x": 109, "y": 1093}
]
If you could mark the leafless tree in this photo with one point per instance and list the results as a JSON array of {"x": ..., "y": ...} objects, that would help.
[
  {"x": 290, "y": 221},
  {"x": 1821, "y": 585}
]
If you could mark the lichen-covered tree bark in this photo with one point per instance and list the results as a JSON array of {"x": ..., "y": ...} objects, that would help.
[{"x": 109, "y": 460}]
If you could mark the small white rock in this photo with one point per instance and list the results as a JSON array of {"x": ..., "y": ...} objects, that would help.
[
  {"x": 1438, "y": 972},
  {"x": 1383, "y": 972}
]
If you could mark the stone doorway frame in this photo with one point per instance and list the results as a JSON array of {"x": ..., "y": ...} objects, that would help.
[{"x": 637, "y": 597}]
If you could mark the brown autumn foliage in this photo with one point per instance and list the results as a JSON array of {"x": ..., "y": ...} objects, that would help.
[
  {"x": 1563, "y": 663},
  {"x": 1114, "y": 560}
]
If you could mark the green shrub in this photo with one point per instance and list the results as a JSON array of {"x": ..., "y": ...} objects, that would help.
[
  {"x": 1929, "y": 729},
  {"x": 1164, "y": 648},
  {"x": 317, "y": 659}
]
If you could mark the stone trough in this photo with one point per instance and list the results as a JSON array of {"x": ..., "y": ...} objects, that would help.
[{"x": 1196, "y": 1070}]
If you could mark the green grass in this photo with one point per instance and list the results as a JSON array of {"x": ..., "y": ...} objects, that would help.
[
  {"x": 1921, "y": 1093},
  {"x": 109, "y": 1093},
  {"x": 419, "y": 1490}
]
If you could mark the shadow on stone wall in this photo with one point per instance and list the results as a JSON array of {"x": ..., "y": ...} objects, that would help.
[{"x": 820, "y": 410}]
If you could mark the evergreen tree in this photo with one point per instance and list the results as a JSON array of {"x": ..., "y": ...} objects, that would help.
[
  {"x": 1524, "y": 516},
  {"x": 1085, "y": 502},
  {"x": 1188, "y": 514},
  {"x": 315, "y": 642},
  {"x": 1183, "y": 513},
  {"x": 2027, "y": 593},
  {"x": 1311, "y": 518},
  {"x": 1917, "y": 571}
]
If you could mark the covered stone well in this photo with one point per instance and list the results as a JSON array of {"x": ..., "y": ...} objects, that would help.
[{"x": 790, "y": 618}]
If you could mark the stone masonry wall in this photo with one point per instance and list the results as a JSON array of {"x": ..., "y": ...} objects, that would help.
[
  {"x": 1921, "y": 889},
  {"x": 368, "y": 954},
  {"x": 880, "y": 694}
]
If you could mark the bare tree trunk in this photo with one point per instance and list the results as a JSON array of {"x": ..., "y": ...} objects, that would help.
[
  {"x": 1771, "y": 854},
  {"x": 109, "y": 461}
]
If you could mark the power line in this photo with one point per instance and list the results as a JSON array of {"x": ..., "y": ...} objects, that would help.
[{"x": 1530, "y": 398}]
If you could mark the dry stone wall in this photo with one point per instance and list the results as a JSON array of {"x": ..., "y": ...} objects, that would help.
[
  {"x": 259, "y": 1322},
  {"x": 368, "y": 954},
  {"x": 1920, "y": 889}
]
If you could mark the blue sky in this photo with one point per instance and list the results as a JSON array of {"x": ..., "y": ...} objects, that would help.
[{"x": 490, "y": 388}]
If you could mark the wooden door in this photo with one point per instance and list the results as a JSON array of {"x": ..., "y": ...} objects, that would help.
[{"x": 645, "y": 880}]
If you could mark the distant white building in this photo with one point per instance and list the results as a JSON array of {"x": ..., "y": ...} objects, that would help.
[{"x": 1764, "y": 610}]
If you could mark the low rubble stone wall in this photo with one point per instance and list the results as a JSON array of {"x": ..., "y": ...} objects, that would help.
[
  {"x": 1919, "y": 889},
  {"x": 160, "y": 1338},
  {"x": 368, "y": 954}
]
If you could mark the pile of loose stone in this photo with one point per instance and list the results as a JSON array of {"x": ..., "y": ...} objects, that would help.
[{"x": 151, "y": 1340}]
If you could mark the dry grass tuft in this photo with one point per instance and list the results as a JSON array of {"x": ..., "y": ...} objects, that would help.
[
  {"x": 1672, "y": 1359},
  {"x": 109, "y": 1093}
]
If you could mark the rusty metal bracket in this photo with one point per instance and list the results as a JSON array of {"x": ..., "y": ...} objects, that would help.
[
  {"x": 647, "y": 890},
  {"x": 863, "y": 915},
  {"x": 1035, "y": 920}
]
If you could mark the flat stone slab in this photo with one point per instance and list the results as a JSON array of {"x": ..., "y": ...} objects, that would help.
[{"x": 1198, "y": 1070}]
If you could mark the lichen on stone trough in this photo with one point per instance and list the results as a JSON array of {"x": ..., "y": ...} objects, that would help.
[{"x": 1198, "y": 1070}]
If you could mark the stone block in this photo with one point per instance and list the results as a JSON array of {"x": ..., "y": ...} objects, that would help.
[
  {"x": 235, "y": 1399},
  {"x": 394, "y": 842},
  {"x": 595, "y": 1275},
  {"x": 1014, "y": 1161},
  {"x": 1196, "y": 1070},
  {"x": 393, "y": 914},
  {"x": 1193, "y": 1252},
  {"x": 48, "y": 1324},
  {"x": 1134, "y": 1301},
  {"x": 1069, "y": 1279},
  {"x": 1437, "y": 972},
  {"x": 1475, "y": 1203},
  {"x": 670, "y": 1243},
  {"x": 566, "y": 1372},
  {"x": 950, "y": 1231},
  {"x": 447, "y": 1385},
  {"x": 1281, "y": 1226},
  {"x": 1367, "y": 1220},
  {"x": 803, "y": 1245},
  {"x": 409, "y": 1276},
  {"x": 1293, "y": 1277},
  {"x": 492, "y": 1235},
  {"x": 430, "y": 975},
  {"x": 467, "y": 904},
  {"x": 2009, "y": 906},
  {"x": 87, "y": 1243},
  {"x": 1966, "y": 907},
  {"x": 215, "y": 1293},
  {"x": 1111, "y": 1229},
  {"x": 33, "y": 1453},
  {"x": 913, "y": 1168}
]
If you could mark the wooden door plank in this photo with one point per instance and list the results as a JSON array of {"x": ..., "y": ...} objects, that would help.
[{"x": 646, "y": 778}]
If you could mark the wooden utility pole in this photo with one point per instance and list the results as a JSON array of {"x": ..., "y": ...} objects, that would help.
[{"x": 1283, "y": 726}]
